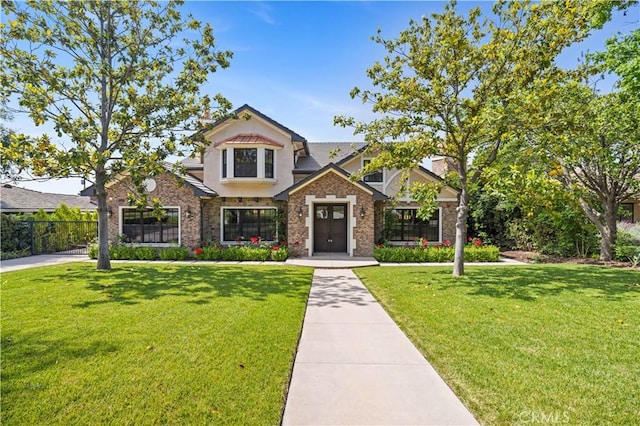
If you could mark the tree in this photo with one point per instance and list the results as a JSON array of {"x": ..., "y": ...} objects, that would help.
[
  {"x": 622, "y": 57},
  {"x": 594, "y": 152},
  {"x": 6, "y": 171},
  {"x": 120, "y": 80},
  {"x": 458, "y": 86}
]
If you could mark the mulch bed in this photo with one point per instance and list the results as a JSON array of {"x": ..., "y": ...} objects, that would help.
[{"x": 533, "y": 257}]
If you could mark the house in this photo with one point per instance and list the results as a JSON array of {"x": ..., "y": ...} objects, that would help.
[
  {"x": 15, "y": 200},
  {"x": 258, "y": 178}
]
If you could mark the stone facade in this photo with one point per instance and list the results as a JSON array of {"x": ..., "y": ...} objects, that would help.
[
  {"x": 331, "y": 188},
  {"x": 170, "y": 193}
]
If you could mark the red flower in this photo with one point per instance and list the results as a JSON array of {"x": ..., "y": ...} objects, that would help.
[
  {"x": 470, "y": 239},
  {"x": 477, "y": 242},
  {"x": 198, "y": 251},
  {"x": 436, "y": 245},
  {"x": 255, "y": 240},
  {"x": 446, "y": 243},
  {"x": 276, "y": 248},
  {"x": 425, "y": 243}
]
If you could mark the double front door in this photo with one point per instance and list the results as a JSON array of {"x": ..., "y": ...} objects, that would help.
[{"x": 330, "y": 228}]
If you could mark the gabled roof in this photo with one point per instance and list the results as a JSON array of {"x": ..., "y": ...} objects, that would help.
[
  {"x": 323, "y": 153},
  {"x": 199, "y": 188},
  {"x": 20, "y": 200},
  {"x": 249, "y": 139},
  {"x": 284, "y": 195},
  {"x": 295, "y": 137}
]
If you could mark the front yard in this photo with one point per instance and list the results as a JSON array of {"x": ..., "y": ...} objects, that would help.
[
  {"x": 178, "y": 344},
  {"x": 522, "y": 345}
]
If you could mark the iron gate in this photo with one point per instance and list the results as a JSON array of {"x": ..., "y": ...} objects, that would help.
[{"x": 62, "y": 237}]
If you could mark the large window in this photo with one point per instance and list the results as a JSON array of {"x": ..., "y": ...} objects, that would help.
[
  {"x": 145, "y": 226},
  {"x": 245, "y": 162},
  {"x": 242, "y": 224},
  {"x": 375, "y": 177},
  {"x": 268, "y": 163},
  {"x": 405, "y": 225},
  {"x": 224, "y": 163},
  {"x": 256, "y": 163},
  {"x": 625, "y": 212}
]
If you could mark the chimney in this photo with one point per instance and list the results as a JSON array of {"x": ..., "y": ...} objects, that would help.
[{"x": 442, "y": 165}]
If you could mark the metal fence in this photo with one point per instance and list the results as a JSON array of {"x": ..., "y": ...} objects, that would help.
[{"x": 62, "y": 237}]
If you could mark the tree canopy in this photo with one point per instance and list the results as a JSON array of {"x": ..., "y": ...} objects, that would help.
[
  {"x": 120, "y": 82},
  {"x": 459, "y": 86}
]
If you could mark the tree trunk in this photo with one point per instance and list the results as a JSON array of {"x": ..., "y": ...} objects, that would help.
[
  {"x": 104, "y": 263},
  {"x": 461, "y": 232},
  {"x": 609, "y": 231}
]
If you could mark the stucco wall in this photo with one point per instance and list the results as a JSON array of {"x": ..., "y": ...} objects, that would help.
[
  {"x": 282, "y": 167},
  {"x": 171, "y": 194},
  {"x": 326, "y": 189}
]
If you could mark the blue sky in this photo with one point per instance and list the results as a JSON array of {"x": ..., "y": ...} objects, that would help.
[{"x": 298, "y": 61}]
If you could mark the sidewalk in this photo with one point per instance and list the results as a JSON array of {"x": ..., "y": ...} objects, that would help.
[
  {"x": 355, "y": 367},
  {"x": 40, "y": 260}
]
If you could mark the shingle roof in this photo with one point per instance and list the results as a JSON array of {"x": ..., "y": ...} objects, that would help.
[
  {"x": 284, "y": 195},
  {"x": 199, "y": 188},
  {"x": 20, "y": 200},
  {"x": 323, "y": 153},
  {"x": 249, "y": 138}
]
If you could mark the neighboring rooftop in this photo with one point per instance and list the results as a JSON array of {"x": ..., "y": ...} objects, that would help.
[{"x": 20, "y": 200}]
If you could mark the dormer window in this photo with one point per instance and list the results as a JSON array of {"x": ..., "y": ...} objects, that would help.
[
  {"x": 374, "y": 177},
  {"x": 248, "y": 157}
]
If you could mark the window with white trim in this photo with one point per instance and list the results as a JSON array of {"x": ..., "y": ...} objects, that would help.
[
  {"x": 245, "y": 162},
  {"x": 242, "y": 224},
  {"x": 403, "y": 224},
  {"x": 248, "y": 163},
  {"x": 146, "y": 227},
  {"x": 374, "y": 177}
]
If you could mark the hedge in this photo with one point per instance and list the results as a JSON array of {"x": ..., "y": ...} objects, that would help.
[{"x": 403, "y": 254}]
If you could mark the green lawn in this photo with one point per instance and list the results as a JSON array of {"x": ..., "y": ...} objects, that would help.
[
  {"x": 530, "y": 344},
  {"x": 149, "y": 344}
]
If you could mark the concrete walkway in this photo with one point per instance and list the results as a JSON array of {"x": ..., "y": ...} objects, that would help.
[
  {"x": 40, "y": 260},
  {"x": 355, "y": 366}
]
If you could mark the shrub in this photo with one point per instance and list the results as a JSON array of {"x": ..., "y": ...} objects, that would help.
[
  {"x": 626, "y": 253},
  {"x": 279, "y": 254},
  {"x": 439, "y": 254},
  {"x": 254, "y": 253},
  {"x": 145, "y": 253},
  {"x": 174, "y": 253},
  {"x": 481, "y": 254},
  {"x": 122, "y": 252},
  {"x": 210, "y": 253},
  {"x": 93, "y": 251}
]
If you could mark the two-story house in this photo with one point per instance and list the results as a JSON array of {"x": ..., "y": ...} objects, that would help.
[{"x": 258, "y": 178}]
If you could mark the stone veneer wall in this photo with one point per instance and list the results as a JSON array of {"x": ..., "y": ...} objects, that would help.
[
  {"x": 170, "y": 193},
  {"x": 328, "y": 187},
  {"x": 212, "y": 220}
]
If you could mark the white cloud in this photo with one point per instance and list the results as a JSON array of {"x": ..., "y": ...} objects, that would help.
[{"x": 264, "y": 12}]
